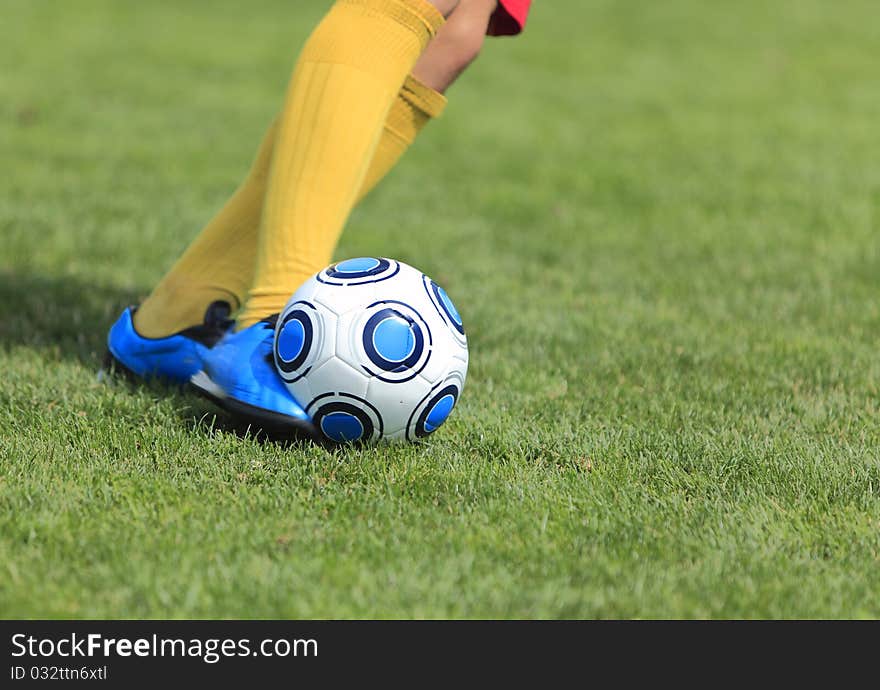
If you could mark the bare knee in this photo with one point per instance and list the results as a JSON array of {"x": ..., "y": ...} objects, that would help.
[
  {"x": 457, "y": 44},
  {"x": 463, "y": 36},
  {"x": 445, "y": 6}
]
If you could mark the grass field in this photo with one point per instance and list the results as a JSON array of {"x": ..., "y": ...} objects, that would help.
[{"x": 660, "y": 222}]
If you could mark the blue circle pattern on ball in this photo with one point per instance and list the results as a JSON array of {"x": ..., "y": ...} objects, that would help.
[
  {"x": 434, "y": 412},
  {"x": 342, "y": 427},
  {"x": 357, "y": 269},
  {"x": 345, "y": 418},
  {"x": 359, "y": 265},
  {"x": 393, "y": 339},
  {"x": 291, "y": 340},
  {"x": 438, "y": 414},
  {"x": 361, "y": 271},
  {"x": 450, "y": 307},
  {"x": 444, "y": 305}
]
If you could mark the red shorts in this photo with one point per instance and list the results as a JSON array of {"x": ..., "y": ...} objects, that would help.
[{"x": 509, "y": 18}]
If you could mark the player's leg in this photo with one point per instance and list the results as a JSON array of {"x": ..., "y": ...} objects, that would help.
[
  {"x": 212, "y": 276},
  {"x": 456, "y": 46},
  {"x": 219, "y": 264},
  {"x": 188, "y": 311},
  {"x": 306, "y": 205},
  {"x": 341, "y": 92},
  {"x": 211, "y": 267},
  {"x": 239, "y": 371},
  {"x": 345, "y": 82}
]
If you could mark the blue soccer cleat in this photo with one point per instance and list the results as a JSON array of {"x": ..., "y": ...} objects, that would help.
[
  {"x": 173, "y": 359},
  {"x": 239, "y": 374}
]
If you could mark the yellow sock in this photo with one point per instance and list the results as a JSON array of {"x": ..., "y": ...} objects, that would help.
[
  {"x": 345, "y": 82},
  {"x": 416, "y": 105},
  {"x": 220, "y": 263},
  {"x": 211, "y": 267}
]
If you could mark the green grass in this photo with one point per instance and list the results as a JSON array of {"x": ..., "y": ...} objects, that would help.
[{"x": 660, "y": 221}]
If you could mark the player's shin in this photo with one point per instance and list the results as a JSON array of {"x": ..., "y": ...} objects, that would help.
[{"x": 343, "y": 87}]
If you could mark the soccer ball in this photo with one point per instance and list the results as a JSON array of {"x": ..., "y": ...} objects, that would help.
[{"x": 372, "y": 349}]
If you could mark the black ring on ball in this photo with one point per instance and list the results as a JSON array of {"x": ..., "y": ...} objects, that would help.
[
  {"x": 433, "y": 291},
  {"x": 299, "y": 315},
  {"x": 330, "y": 276},
  {"x": 420, "y": 430},
  {"x": 374, "y": 355}
]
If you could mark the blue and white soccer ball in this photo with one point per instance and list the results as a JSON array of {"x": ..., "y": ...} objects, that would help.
[{"x": 372, "y": 349}]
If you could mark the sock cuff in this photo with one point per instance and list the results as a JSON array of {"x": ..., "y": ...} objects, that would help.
[
  {"x": 418, "y": 94},
  {"x": 415, "y": 106},
  {"x": 420, "y": 16}
]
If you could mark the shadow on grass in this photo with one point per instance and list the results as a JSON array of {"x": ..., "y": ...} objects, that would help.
[
  {"x": 202, "y": 416},
  {"x": 68, "y": 319},
  {"x": 65, "y": 316}
]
